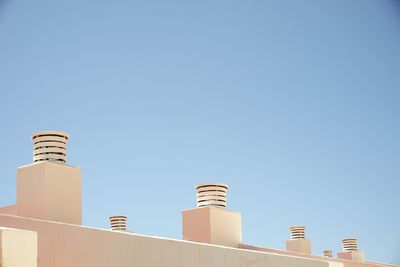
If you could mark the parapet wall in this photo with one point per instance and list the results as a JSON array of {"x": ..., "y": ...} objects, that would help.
[
  {"x": 66, "y": 245},
  {"x": 345, "y": 262}
]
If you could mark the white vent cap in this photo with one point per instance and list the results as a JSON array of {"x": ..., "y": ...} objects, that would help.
[
  {"x": 350, "y": 244},
  {"x": 298, "y": 232},
  {"x": 50, "y": 146},
  {"x": 211, "y": 195},
  {"x": 118, "y": 222}
]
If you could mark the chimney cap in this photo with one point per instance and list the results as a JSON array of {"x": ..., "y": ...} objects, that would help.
[
  {"x": 349, "y": 240},
  {"x": 53, "y": 133},
  {"x": 297, "y": 227},
  {"x": 50, "y": 146},
  {"x": 211, "y": 184},
  {"x": 211, "y": 195},
  {"x": 298, "y": 232},
  {"x": 350, "y": 244},
  {"x": 118, "y": 222},
  {"x": 117, "y": 216}
]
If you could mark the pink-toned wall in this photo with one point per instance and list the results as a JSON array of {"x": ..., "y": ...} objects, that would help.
[
  {"x": 50, "y": 191},
  {"x": 10, "y": 210},
  {"x": 196, "y": 225},
  {"x": 213, "y": 225},
  {"x": 346, "y": 263},
  {"x": 66, "y": 245}
]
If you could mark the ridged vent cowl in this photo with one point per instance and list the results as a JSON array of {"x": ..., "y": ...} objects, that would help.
[
  {"x": 328, "y": 253},
  {"x": 350, "y": 244},
  {"x": 50, "y": 146},
  {"x": 297, "y": 232},
  {"x": 211, "y": 195},
  {"x": 118, "y": 222}
]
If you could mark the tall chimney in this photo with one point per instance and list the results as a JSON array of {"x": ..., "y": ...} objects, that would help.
[
  {"x": 298, "y": 241},
  {"x": 211, "y": 195},
  {"x": 118, "y": 222},
  {"x": 50, "y": 146},
  {"x": 350, "y": 250}
]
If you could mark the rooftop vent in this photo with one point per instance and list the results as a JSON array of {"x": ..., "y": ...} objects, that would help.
[
  {"x": 211, "y": 195},
  {"x": 118, "y": 222},
  {"x": 50, "y": 146},
  {"x": 297, "y": 232},
  {"x": 328, "y": 253},
  {"x": 298, "y": 241},
  {"x": 349, "y": 244}
]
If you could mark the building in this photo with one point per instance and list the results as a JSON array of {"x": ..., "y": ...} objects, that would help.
[{"x": 44, "y": 228}]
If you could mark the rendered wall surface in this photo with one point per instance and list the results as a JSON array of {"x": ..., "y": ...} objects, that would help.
[
  {"x": 62, "y": 245},
  {"x": 50, "y": 191},
  {"x": 345, "y": 262},
  {"x": 18, "y": 248},
  {"x": 212, "y": 225},
  {"x": 10, "y": 210},
  {"x": 351, "y": 255},
  {"x": 196, "y": 225},
  {"x": 226, "y": 227},
  {"x": 299, "y": 245}
]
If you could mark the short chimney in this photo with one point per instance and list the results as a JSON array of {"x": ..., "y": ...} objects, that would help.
[
  {"x": 50, "y": 146},
  {"x": 211, "y": 222},
  {"x": 118, "y": 222},
  {"x": 328, "y": 253},
  {"x": 350, "y": 250},
  {"x": 298, "y": 241},
  {"x": 211, "y": 195}
]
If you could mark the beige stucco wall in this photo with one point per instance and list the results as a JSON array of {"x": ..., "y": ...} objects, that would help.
[
  {"x": 18, "y": 248},
  {"x": 63, "y": 245}
]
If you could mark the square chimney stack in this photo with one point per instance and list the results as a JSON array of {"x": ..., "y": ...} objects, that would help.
[
  {"x": 298, "y": 241},
  {"x": 211, "y": 222},
  {"x": 350, "y": 250}
]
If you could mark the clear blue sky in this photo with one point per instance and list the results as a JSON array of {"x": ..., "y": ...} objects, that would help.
[{"x": 294, "y": 104}]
